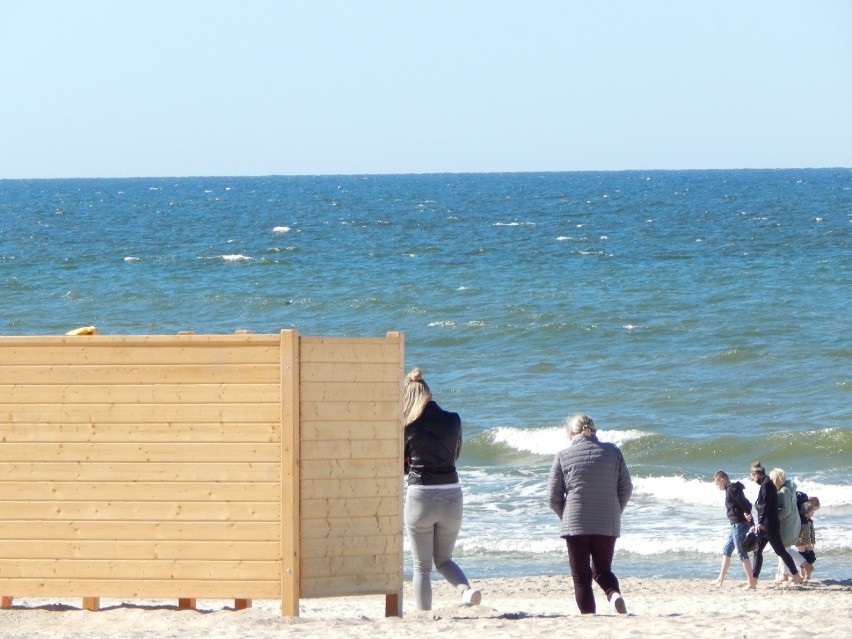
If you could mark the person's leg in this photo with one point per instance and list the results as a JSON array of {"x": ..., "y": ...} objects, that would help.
[
  {"x": 727, "y": 551},
  {"x": 603, "y": 549},
  {"x": 758, "y": 555},
  {"x": 778, "y": 546},
  {"x": 449, "y": 507},
  {"x": 738, "y": 533},
  {"x": 726, "y": 561},
  {"x": 749, "y": 573},
  {"x": 579, "y": 559},
  {"x": 420, "y": 526}
]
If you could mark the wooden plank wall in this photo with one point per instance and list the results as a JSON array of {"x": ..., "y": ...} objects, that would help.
[
  {"x": 144, "y": 466},
  {"x": 351, "y": 455},
  {"x": 231, "y": 466}
]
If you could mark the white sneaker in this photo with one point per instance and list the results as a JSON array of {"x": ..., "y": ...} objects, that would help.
[
  {"x": 471, "y": 597},
  {"x": 617, "y": 603}
]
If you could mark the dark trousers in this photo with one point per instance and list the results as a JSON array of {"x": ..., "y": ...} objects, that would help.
[
  {"x": 773, "y": 538},
  {"x": 590, "y": 558}
]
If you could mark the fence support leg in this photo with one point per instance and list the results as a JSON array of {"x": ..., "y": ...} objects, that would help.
[
  {"x": 185, "y": 603},
  {"x": 5, "y": 602},
  {"x": 242, "y": 604},
  {"x": 91, "y": 603},
  {"x": 393, "y": 605}
]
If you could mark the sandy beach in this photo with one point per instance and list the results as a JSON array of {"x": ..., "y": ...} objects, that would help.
[{"x": 529, "y": 607}]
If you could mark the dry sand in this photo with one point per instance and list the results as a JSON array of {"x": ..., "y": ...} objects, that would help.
[{"x": 528, "y": 607}]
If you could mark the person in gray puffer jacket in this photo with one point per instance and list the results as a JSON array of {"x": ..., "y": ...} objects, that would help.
[{"x": 588, "y": 488}]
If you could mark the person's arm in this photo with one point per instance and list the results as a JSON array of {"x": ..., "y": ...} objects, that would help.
[
  {"x": 744, "y": 504},
  {"x": 556, "y": 488},
  {"x": 625, "y": 484},
  {"x": 763, "y": 506}
]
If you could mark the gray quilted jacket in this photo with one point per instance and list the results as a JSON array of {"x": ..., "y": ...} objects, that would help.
[{"x": 589, "y": 487}]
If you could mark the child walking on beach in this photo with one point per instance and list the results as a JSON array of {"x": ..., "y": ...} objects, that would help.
[{"x": 738, "y": 509}]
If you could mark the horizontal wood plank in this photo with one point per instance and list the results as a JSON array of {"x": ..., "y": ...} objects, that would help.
[
  {"x": 349, "y": 411},
  {"x": 139, "y": 413},
  {"x": 357, "y": 449},
  {"x": 342, "y": 350},
  {"x": 143, "y": 589},
  {"x": 351, "y": 585},
  {"x": 348, "y": 372},
  {"x": 139, "y": 550},
  {"x": 352, "y": 469},
  {"x": 153, "y": 432},
  {"x": 387, "y": 544},
  {"x": 146, "y": 531},
  {"x": 230, "y": 393},
  {"x": 141, "y": 491},
  {"x": 139, "y": 471},
  {"x": 347, "y": 506},
  {"x": 136, "y": 510},
  {"x": 343, "y": 431},
  {"x": 355, "y": 526},
  {"x": 177, "y": 352},
  {"x": 143, "y": 374},
  {"x": 349, "y": 565},
  {"x": 141, "y": 452},
  {"x": 363, "y": 487},
  {"x": 347, "y": 392},
  {"x": 138, "y": 569}
]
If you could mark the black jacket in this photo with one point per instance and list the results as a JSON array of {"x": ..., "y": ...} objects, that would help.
[
  {"x": 767, "y": 505},
  {"x": 736, "y": 504},
  {"x": 432, "y": 446}
]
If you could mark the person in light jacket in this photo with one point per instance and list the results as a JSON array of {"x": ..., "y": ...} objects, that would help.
[{"x": 588, "y": 488}]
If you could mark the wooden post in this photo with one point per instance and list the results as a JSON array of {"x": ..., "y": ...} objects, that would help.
[
  {"x": 5, "y": 602},
  {"x": 186, "y": 603},
  {"x": 393, "y": 605},
  {"x": 393, "y": 602},
  {"x": 242, "y": 604},
  {"x": 91, "y": 603},
  {"x": 290, "y": 478}
]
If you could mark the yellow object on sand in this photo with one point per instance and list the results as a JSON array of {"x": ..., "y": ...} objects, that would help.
[{"x": 84, "y": 330}]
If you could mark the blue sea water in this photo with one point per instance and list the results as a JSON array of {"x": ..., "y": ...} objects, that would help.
[{"x": 701, "y": 317}]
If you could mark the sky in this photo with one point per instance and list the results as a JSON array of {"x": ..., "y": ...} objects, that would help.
[{"x": 313, "y": 87}]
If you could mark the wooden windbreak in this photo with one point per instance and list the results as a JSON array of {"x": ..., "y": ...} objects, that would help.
[{"x": 201, "y": 466}]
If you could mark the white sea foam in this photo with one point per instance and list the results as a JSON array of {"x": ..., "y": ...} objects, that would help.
[
  {"x": 237, "y": 257},
  {"x": 549, "y": 441},
  {"x": 281, "y": 229},
  {"x": 130, "y": 258}
]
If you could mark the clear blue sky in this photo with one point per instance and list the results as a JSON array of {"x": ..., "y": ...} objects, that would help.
[{"x": 303, "y": 87}]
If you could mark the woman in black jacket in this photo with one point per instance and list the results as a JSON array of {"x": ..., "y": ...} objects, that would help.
[
  {"x": 769, "y": 523},
  {"x": 433, "y": 501}
]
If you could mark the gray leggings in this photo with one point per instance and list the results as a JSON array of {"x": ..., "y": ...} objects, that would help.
[{"x": 433, "y": 518}]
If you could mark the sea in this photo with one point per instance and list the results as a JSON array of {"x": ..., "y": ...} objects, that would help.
[{"x": 702, "y": 318}]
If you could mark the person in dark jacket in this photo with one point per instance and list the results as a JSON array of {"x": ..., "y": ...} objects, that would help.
[
  {"x": 588, "y": 488},
  {"x": 768, "y": 523},
  {"x": 433, "y": 501},
  {"x": 738, "y": 509}
]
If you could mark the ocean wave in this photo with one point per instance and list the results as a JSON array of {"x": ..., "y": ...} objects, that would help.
[
  {"x": 697, "y": 492},
  {"x": 503, "y": 441}
]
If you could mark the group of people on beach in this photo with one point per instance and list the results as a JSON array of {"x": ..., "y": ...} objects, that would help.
[
  {"x": 784, "y": 522},
  {"x": 588, "y": 488}
]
